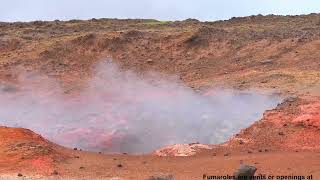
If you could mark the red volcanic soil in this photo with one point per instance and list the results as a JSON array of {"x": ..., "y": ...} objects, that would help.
[
  {"x": 293, "y": 125},
  {"x": 22, "y": 150},
  {"x": 263, "y": 52}
]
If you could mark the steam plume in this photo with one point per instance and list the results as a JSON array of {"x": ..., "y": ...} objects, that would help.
[{"x": 119, "y": 111}]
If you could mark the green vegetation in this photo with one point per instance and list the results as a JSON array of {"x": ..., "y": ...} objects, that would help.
[{"x": 156, "y": 22}]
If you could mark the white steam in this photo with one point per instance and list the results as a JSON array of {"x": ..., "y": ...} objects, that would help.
[{"x": 119, "y": 111}]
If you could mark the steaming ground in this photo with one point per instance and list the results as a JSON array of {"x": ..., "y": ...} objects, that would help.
[{"x": 119, "y": 111}]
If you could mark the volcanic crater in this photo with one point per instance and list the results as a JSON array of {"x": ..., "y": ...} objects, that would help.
[{"x": 91, "y": 85}]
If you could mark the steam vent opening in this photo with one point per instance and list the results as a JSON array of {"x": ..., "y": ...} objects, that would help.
[{"x": 119, "y": 111}]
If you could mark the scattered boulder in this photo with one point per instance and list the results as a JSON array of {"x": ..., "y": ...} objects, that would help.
[
  {"x": 94, "y": 19},
  {"x": 226, "y": 154},
  {"x": 245, "y": 172}
]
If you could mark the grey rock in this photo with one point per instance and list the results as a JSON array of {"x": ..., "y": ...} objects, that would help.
[
  {"x": 162, "y": 177},
  {"x": 267, "y": 61},
  {"x": 245, "y": 172}
]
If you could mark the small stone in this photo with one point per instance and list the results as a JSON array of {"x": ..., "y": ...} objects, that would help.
[
  {"x": 260, "y": 150},
  {"x": 20, "y": 145},
  {"x": 281, "y": 133},
  {"x": 249, "y": 152},
  {"x": 119, "y": 166},
  {"x": 75, "y": 149},
  {"x": 227, "y": 154},
  {"x": 161, "y": 177},
  {"x": 149, "y": 61},
  {"x": 267, "y": 61},
  {"x": 194, "y": 143},
  {"x": 241, "y": 142},
  {"x": 20, "y": 175},
  {"x": 77, "y": 157},
  {"x": 55, "y": 172},
  {"x": 290, "y": 99},
  {"x": 81, "y": 167}
]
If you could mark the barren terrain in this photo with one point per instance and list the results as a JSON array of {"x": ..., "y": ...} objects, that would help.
[{"x": 257, "y": 52}]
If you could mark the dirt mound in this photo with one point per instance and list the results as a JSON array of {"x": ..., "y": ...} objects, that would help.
[{"x": 22, "y": 150}]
